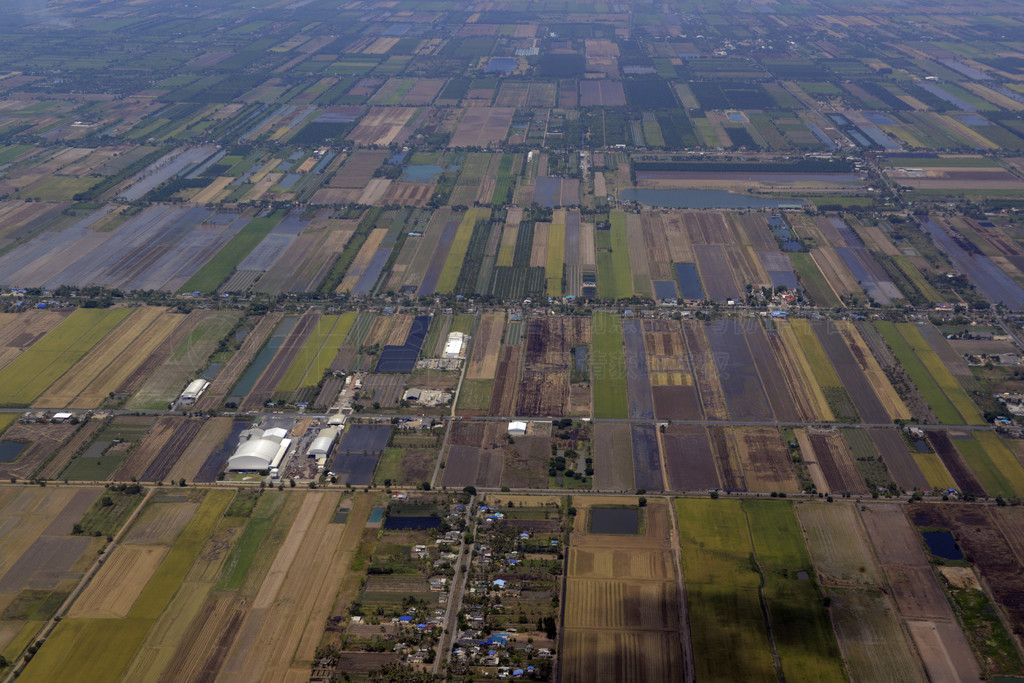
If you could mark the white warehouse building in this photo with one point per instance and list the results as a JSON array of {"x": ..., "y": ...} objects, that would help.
[
  {"x": 192, "y": 392},
  {"x": 321, "y": 445},
  {"x": 264, "y": 450},
  {"x": 453, "y": 347}
]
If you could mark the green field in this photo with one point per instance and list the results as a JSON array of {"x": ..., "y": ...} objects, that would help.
[
  {"x": 218, "y": 269},
  {"x": 727, "y": 625},
  {"x": 609, "y": 366},
  {"x": 813, "y": 281},
  {"x": 475, "y": 394},
  {"x": 614, "y": 279},
  {"x": 6, "y": 420},
  {"x": 556, "y": 257},
  {"x": 803, "y": 634},
  {"x": 242, "y": 554},
  {"x": 171, "y": 572},
  {"x": 29, "y": 375},
  {"x": 993, "y": 464},
  {"x": 462, "y": 323},
  {"x": 937, "y": 385},
  {"x": 453, "y": 265},
  {"x": 317, "y": 354}
]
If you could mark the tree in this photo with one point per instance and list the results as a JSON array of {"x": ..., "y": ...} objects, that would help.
[{"x": 642, "y": 502}]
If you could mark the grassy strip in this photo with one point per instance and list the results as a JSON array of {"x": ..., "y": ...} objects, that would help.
[
  {"x": 556, "y": 258},
  {"x": 171, "y": 572},
  {"x": 813, "y": 281},
  {"x": 6, "y": 420},
  {"x": 917, "y": 279},
  {"x": 31, "y": 373},
  {"x": 462, "y": 323},
  {"x": 620, "y": 256},
  {"x": 945, "y": 379},
  {"x": 453, "y": 265},
  {"x": 609, "y": 365},
  {"x": 237, "y": 565},
  {"x": 218, "y": 269},
  {"x": 929, "y": 388},
  {"x": 806, "y": 645},
  {"x": 727, "y": 627}
]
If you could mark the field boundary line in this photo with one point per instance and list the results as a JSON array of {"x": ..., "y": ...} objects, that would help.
[
  {"x": 689, "y": 671},
  {"x": 87, "y": 578}
]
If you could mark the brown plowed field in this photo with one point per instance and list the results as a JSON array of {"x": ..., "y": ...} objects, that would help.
[
  {"x": 836, "y": 462},
  {"x": 234, "y": 368},
  {"x": 979, "y": 533},
  {"x": 898, "y": 550},
  {"x": 483, "y": 362},
  {"x": 622, "y": 602},
  {"x": 689, "y": 459},
  {"x": 704, "y": 367},
  {"x": 211, "y": 435},
  {"x": 898, "y": 460},
  {"x": 278, "y": 366},
  {"x": 149, "y": 448},
  {"x": 730, "y": 470},
  {"x": 954, "y": 462},
  {"x": 161, "y": 352},
  {"x": 506, "y": 381},
  {"x": 766, "y": 462},
  {"x": 43, "y": 440},
  {"x": 613, "y": 457},
  {"x": 525, "y": 463},
  {"x": 778, "y": 387}
]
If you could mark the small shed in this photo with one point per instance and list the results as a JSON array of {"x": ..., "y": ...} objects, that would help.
[{"x": 517, "y": 428}]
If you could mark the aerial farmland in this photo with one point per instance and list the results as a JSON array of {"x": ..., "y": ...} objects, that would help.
[{"x": 438, "y": 341}]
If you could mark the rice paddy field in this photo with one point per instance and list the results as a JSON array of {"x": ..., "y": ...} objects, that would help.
[{"x": 753, "y": 299}]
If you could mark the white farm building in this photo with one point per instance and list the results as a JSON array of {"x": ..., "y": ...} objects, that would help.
[
  {"x": 321, "y": 445},
  {"x": 264, "y": 450},
  {"x": 192, "y": 392},
  {"x": 517, "y": 428},
  {"x": 453, "y": 347}
]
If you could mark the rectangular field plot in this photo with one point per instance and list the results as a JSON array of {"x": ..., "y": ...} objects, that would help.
[
  {"x": 727, "y": 626},
  {"x": 622, "y": 597},
  {"x": 29, "y": 375}
]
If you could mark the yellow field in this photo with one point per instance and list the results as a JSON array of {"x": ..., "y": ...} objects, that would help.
[
  {"x": 555, "y": 258},
  {"x": 802, "y": 366},
  {"x": 103, "y": 369},
  {"x": 122, "y": 578},
  {"x": 28, "y": 376},
  {"x": 876, "y": 376}
]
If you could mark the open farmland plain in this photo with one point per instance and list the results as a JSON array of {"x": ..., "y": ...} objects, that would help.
[
  {"x": 622, "y": 611},
  {"x": 738, "y": 393}
]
